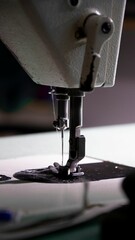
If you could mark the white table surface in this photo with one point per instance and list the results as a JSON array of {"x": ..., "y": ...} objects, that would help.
[{"x": 113, "y": 143}]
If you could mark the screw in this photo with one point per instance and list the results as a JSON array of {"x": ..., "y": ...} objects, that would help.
[
  {"x": 74, "y": 2},
  {"x": 106, "y": 27}
]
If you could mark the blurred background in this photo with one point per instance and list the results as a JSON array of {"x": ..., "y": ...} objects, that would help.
[{"x": 26, "y": 107}]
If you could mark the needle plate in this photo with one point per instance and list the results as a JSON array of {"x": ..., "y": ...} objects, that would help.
[{"x": 92, "y": 172}]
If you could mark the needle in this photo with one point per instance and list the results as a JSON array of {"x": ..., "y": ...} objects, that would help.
[{"x": 62, "y": 141}]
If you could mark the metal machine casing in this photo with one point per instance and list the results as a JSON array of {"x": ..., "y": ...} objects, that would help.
[{"x": 41, "y": 35}]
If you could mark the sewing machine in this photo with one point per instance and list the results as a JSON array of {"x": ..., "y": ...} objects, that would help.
[
  {"x": 72, "y": 46},
  {"x": 74, "y": 51}
]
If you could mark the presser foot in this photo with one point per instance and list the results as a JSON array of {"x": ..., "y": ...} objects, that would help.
[
  {"x": 51, "y": 174},
  {"x": 64, "y": 171}
]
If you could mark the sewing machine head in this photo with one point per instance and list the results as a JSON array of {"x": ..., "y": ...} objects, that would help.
[
  {"x": 70, "y": 45},
  {"x": 49, "y": 38}
]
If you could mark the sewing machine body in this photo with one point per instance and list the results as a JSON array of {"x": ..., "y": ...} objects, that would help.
[{"x": 41, "y": 35}]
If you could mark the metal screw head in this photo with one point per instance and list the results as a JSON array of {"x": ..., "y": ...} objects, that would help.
[
  {"x": 106, "y": 27},
  {"x": 74, "y": 3}
]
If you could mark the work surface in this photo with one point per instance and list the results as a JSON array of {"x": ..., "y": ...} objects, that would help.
[{"x": 113, "y": 143}]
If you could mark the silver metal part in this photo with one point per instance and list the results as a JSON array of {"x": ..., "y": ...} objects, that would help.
[
  {"x": 73, "y": 113},
  {"x": 60, "y": 98},
  {"x": 41, "y": 35},
  {"x": 62, "y": 145},
  {"x": 98, "y": 29},
  {"x": 60, "y": 105},
  {"x": 76, "y": 140}
]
